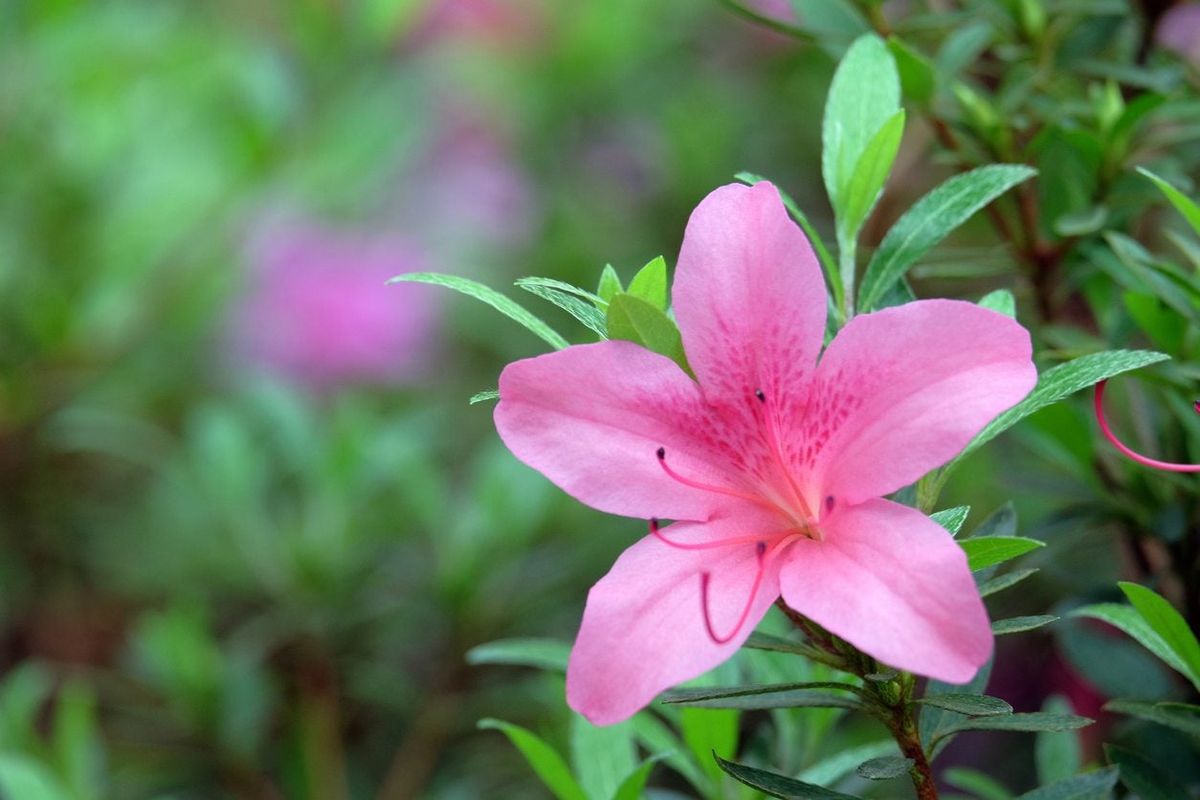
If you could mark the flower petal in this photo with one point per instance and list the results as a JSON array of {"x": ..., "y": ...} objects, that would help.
[
  {"x": 893, "y": 583},
  {"x": 902, "y": 391},
  {"x": 643, "y": 628},
  {"x": 591, "y": 419},
  {"x": 749, "y": 297}
]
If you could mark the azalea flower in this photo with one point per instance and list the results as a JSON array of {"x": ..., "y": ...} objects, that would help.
[{"x": 772, "y": 464}]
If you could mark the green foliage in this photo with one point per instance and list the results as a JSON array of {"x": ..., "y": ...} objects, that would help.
[
  {"x": 1021, "y": 624},
  {"x": 776, "y": 785},
  {"x": 885, "y": 768},
  {"x": 971, "y": 705},
  {"x": 650, "y": 284},
  {"x": 1057, "y": 754},
  {"x": 951, "y": 519},
  {"x": 984, "y": 552},
  {"x": 544, "y": 760},
  {"x": 549, "y": 654},
  {"x": 635, "y": 320},
  {"x": 1088, "y": 786}
]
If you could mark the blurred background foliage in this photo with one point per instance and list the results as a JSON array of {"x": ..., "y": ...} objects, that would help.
[{"x": 251, "y": 526}]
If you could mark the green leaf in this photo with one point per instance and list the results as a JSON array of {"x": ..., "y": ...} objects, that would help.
[
  {"x": 971, "y": 705},
  {"x": 1058, "y": 754},
  {"x": 78, "y": 749},
  {"x": 1179, "y": 716},
  {"x": 1183, "y": 204},
  {"x": 650, "y": 284},
  {"x": 918, "y": 81},
  {"x": 546, "y": 762},
  {"x": 934, "y": 720},
  {"x": 1169, "y": 624},
  {"x": 864, "y": 95},
  {"x": 634, "y": 320},
  {"x": 632, "y": 787},
  {"x": 1030, "y": 722},
  {"x": 745, "y": 698},
  {"x": 1064, "y": 380},
  {"x": 485, "y": 294},
  {"x": 601, "y": 757},
  {"x": 662, "y": 743},
  {"x": 882, "y": 769},
  {"x": 25, "y": 779},
  {"x": 1134, "y": 624},
  {"x": 1021, "y": 624},
  {"x": 1142, "y": 777},
  {"x": 1001, "y": 300},
  {"x": 484, "y": 396},
  {"x": 982, "y": 786},
  {"x": 708, "y": 732},
  {"x": 930, "y": 220},
  {"x": 870, "y": 174},
  {"x": 951, "y": 519},
  {"x": 548, "y": 654},
  {"x": 842, "y": 763},
  {"x": 579, "y": 303},
  {"x": 610, "y": 286},
  {"x": 1001, "y": 582},
  {"x": 983, "y": 552},
  {"x": 776, "y": 785},
  {"x": 776, "y": 644},
  {"x": 1096, "y": 785}
]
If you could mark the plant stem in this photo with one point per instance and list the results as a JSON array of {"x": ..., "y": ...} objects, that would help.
[{"x": 847, "y": 265}]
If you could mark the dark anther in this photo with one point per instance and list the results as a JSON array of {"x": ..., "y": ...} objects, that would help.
[
  {"x": 762, "y": 398},
  {"x": 829, "y": 501},
  {"x": 760, "y": 548},
  {"x": 662, "y": 453}
]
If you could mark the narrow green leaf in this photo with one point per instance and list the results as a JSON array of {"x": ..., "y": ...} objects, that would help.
[
  {"x": 839, "y": 765},
  {"x": 930, "y": 220},
  {"x": 1064, "y": 380},
  {"x": 1001, "y": 522},
  {"x": 934, "y": 720},
  {"x": 865, "y": 93},
  {"x": 708, "y": 732},
  {"x": 601, "y": 758},
  {"x": 1030, "y": 722},
  {"x": 485, "y": 294},
  {"x": 633, "y": 786},
  {"x": 662, "y": 742},
  {"x": 484, "y": 396},
  {"x": 544, "y": 760},
  {"x": 1021, "y": 624},
  {"x": 951, "y": 519},
  {"x": 77, "y": 746},
  {"x": 882, "y": 769},
  {"x": 918, "y": 81},
  {"x": 1002, "y": 582},
  {"x": 548, "y": 654},
  {"x": 1183, "y": 204},
  {"x": 1179, "y": 716},
  {"x": 1142, "y": 777},
  {"x": 765, "y": 641},
  {"x": 990, "y": 550},
  {"x": 650, "y": 283},
  {"x": 1097, "y": 785},
  {"x": 776, "y": 785},
  {"x": 870, "y": 174},
  {"x": 1169, "y": 624},
  {"x": 1057, "y": 754},
  {"x": 23, "y": 778},
  {"x": 1134, "y": 624},
  {"x": 634, "y": 320},
  {"x": 982, "y": 786},
  {"x": 610, "y": 286},
  {"x": 971, "y": 705},
  {"x": 580, "y": 304},
  {"x": 1001, "y": 300},
  {"x": 746, "y": 698}
]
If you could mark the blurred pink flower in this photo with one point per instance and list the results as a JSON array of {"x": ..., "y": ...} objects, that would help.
[
  {"x": 774, "y": 465},
  {"x": 317, "y": 310},
  {"x": 1179, "y": 30},
  {"x": 504, "y": 23}
]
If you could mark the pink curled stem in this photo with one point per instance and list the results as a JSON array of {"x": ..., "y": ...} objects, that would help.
[{"x": 1128, "y": 451}]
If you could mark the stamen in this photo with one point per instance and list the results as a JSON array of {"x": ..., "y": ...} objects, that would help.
[
  {"x": 661, "y": 453},
  {"x": 1127, "y": 451},
  {"x": 764, "y": 560},
  {"x": 762, "y": 398},
  {"x": 662, "y": 537},
  {"x": 829, "y": 503},
  {"x": 773, "y": 444}
]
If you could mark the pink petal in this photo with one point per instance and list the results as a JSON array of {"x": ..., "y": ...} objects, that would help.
[
  {"x": 902, "y": 391},
  {"x": 643, "y": 628},
  {"x": 893, "y": 583},
  {"x": 591, "y": 419},
  {"x": 749, "y": 298}
]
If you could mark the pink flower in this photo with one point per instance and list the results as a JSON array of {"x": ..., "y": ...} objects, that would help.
[
  {"x": 773, "y": 465},
  {"x": 1179, "y": 31},
  {"x": 318, "y": 310}
]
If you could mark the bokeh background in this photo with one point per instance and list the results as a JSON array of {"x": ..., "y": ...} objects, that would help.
[{"x": 250, "y": 525}]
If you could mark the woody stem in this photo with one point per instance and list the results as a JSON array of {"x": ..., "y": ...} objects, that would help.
[{"x": 903, "y": 726}]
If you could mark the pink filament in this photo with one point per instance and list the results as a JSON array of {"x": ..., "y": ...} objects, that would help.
[
  {"x": 656, "y": 531},
  {"x": 1138, "y": 457},
  {"x": 708, "y": 487},
  {"x": 764, "y": 560}
]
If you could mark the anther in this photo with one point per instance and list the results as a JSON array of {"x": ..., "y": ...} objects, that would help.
[
  {"x": 762, "y": 398},
  {"x": 829, "y": 502},
  {"x": 661, "y": 453},
  {"x": 1129, "y": 452},
  {"x": 760, "y": 551}
]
